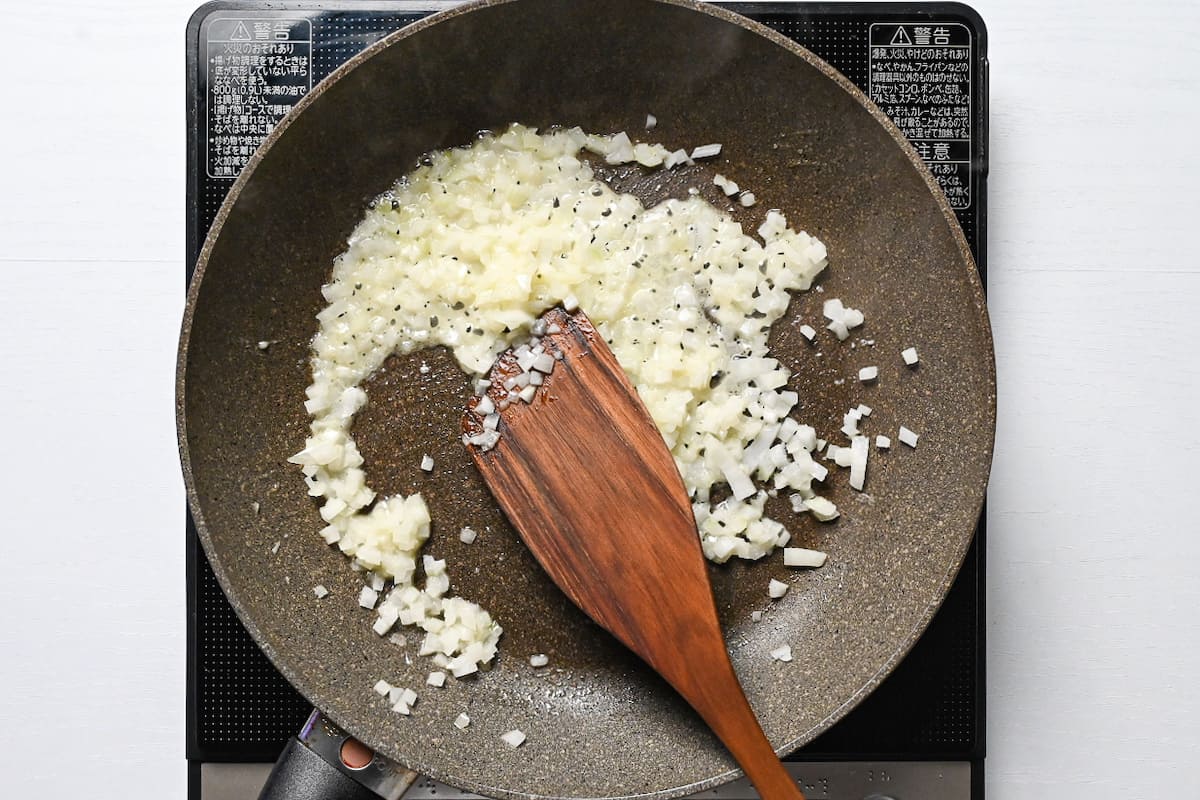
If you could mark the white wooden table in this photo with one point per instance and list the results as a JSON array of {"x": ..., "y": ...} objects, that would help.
[{"x": 1093, "y": 542}]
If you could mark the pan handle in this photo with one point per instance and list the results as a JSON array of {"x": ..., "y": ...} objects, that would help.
[{"x": 326, "y": 763}]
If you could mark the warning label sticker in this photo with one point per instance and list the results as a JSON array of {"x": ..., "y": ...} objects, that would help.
[
  {"x": 920, "y": 76},
  {"x": 256, "y": 70}
]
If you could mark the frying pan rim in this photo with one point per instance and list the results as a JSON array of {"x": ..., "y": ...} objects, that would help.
[{"x": 977, "y": 295}]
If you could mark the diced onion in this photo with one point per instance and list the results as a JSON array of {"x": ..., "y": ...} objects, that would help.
[
  {"x": 782, "y": 653},
  {"x": 467, "y": 252},
  {"x": 460, "y": 666},
  {"x": 462, "y": 721},
  {"x": 649, "y": 155},
  {"x": 619, "y": 150},
  {"x": 841, "y": 318},
  {"x": 850, "y": 423},
  {"x": 676, "y": 158},
  {"x": 821, "y": 508},
  {"x": 724, "y": 184},
  {"x": 909, "y": 354},
  {"x": 908, "y": 437},
  {"x": 739, "y": 482},
  {"x": 387, "y": 618},
  {"x": 514, "y": 738},
  {"x": 840, "y": 455},
  {"x": 858, "y": 461},
  {"x": 777, "y": 589},
  {"x": 539, "y": 660},
  {"x": 802, "y": 557}
]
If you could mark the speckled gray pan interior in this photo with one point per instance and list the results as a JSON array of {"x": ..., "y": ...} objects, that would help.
[{"x": 599, "y": 724}]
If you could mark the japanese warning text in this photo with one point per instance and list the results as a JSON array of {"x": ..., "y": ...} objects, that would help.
[
  {"x": 257, "y": 70},
  {"x": 920, "y": 76}
]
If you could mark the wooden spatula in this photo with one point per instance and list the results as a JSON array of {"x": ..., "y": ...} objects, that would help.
[{"x": 587, "y": 480}]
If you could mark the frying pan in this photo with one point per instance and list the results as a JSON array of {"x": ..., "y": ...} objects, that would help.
[{"x": 599, "y": 724}]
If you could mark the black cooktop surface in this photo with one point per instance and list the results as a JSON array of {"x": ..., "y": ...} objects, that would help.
[{"x": 923, "y": 64}]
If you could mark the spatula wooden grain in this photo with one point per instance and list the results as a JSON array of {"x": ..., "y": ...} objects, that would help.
[{"x": 585, "y": 477}]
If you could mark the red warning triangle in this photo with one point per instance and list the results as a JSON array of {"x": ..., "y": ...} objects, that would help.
[{"x": 901, "y": 37}]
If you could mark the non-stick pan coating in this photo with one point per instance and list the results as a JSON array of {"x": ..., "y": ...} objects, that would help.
[{"x": 598, "y": 724}]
